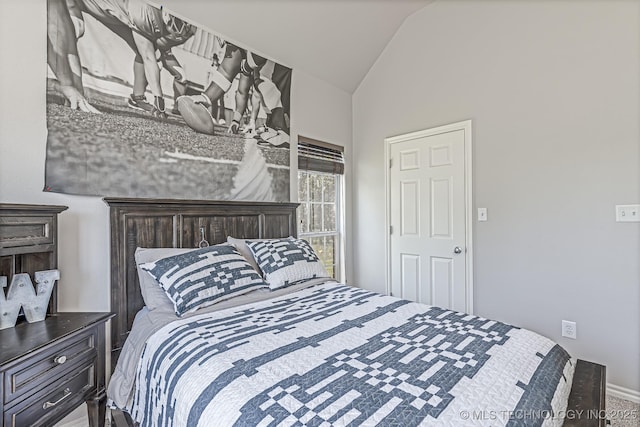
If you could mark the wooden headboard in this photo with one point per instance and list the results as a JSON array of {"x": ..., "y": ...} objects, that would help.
[{"x": 168, "y": 223}]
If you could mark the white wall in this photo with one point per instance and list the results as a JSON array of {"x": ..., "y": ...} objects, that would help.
[
  {"x": 319, "y": 110},
  {"x": 553, "y": 92}
]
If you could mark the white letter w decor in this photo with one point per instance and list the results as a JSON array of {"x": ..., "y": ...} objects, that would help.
[{"x": 22, "y": 294}]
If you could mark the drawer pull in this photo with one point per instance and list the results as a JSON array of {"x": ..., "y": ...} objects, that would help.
[
  {"x": 47, "y": 405},
  {"x": 60, "y": 359}
]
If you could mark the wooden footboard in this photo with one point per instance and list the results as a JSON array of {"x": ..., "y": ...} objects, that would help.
[{"x": 586, "y": 406}]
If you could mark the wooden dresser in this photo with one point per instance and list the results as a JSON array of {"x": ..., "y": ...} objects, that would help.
[{"x": 47, "y": 368}]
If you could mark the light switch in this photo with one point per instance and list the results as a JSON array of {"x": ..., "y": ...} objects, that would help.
[
  {"x": 482, "y": 214},
  {"x": 627, "y": 213}
]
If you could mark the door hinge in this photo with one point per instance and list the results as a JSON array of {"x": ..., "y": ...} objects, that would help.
[
  {"x": 390, "y": 163},
  {"x": 391, "y": 229}
]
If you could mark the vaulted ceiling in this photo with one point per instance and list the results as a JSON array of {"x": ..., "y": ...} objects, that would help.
[{"x": 336, "y": 41}]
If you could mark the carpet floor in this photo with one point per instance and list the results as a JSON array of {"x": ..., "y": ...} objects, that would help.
[{"x": 622, "y": 413}]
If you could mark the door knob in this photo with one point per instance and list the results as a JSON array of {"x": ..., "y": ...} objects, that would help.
[{"x": 457, "y": 250}]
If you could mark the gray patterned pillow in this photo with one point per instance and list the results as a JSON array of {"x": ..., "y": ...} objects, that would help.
[
  {"x": 202, "y": 277},
  {"x": 286, "y": 261}
]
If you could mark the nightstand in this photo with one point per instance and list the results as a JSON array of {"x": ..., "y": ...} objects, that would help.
[{"x": 49, "y": 368}]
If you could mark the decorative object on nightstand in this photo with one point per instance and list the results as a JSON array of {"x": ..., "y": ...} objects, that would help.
[
  {"x": 50, "y": 367},
  {"x": 21, "y": 294}
]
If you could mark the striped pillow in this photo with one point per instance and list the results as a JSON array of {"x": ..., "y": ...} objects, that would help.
[
  {"x": 203, "y": 277},
  {"x": 286, "y": 261}
]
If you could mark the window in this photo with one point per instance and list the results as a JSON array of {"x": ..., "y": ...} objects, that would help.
[{"x": 320, "y": 169}]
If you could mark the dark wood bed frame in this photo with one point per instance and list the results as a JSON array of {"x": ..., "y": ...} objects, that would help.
[{"x": 166, "y": 223}]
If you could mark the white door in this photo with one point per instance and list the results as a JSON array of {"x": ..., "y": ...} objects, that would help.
[{"x": 428, "y": 216}]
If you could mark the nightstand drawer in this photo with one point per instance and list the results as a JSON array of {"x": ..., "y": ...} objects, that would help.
[
  {"x": 58, "y": 358},
  {"x": 26, "y": 231},
  {"x": 60, "y": 397}
]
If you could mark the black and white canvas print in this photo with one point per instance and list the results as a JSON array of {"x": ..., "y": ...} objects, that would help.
[{"x": 144, "y": 103}]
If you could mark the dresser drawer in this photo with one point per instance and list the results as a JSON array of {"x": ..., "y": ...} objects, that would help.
[
  {"x": 39, "y": 370},
  {"x": 26, "y": 231},
  {"x": 57, "y": 399}
]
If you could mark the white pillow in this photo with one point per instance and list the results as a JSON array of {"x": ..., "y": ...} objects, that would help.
[
  {"x": 202, "y": 277},
  {"x": 152, "y": 293},
  {"x": 241, "y": 246},
  {"x": 286, "y": 261}
]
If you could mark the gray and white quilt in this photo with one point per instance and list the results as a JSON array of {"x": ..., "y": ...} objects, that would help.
[{"x": 335, "y": 355}]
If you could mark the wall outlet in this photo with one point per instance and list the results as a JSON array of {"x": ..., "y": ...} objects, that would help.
[
  {"x": 569, "y": 329},
  {"x": 627, "y": 213}
]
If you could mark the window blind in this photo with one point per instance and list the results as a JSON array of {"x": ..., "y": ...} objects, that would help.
[{"x": 319, "y": 156}]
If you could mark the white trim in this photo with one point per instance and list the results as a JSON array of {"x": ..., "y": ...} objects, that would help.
[
  {"x": 623, "y": 393},
  {"x": 341, "y": 274},
  {"x": 468, "y": 171}
]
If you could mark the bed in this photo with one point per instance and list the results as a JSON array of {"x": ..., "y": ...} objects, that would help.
[{"x": 317, "y": 352}]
